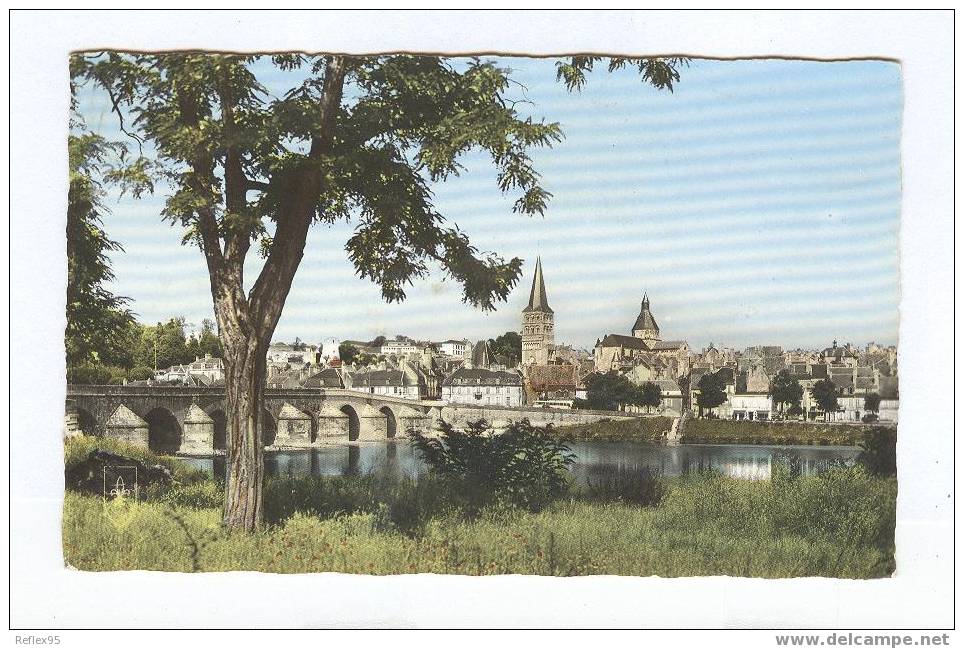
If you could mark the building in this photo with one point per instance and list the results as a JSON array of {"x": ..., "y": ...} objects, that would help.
[
  {"x": 456, "y": 348},
  {"x": 385, "y": 382},
  {"x": 485, "y": 387},
  {"x": 538, "y": 337},
  {"x": 619, "y": 352},
  {"x": 202, "y": 371},
  {"x": 552, "y": 386},
  {"x": 400, "y": 347}
]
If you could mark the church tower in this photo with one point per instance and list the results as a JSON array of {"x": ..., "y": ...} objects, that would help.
[
  {"x": 646, "y": 327},
  {"x": 537, "y": 320}
]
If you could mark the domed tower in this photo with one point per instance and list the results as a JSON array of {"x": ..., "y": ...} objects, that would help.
[
  {"x": 646, "y": 327},
  {"x": 537, "y": 323}
]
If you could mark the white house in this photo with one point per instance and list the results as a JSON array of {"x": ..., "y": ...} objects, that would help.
[
  {"x": 457, "y": 348},
  {"x": 483, "y": 387},
  {"x": 752, "y": 406},
  {"x": 399, "y": 347}
]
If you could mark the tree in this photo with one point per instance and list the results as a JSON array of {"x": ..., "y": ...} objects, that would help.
[
  {"x": 650, "y": 395},
  {"x": 163, "y": 345},
  {"x": 507, "y": 348},
  {"x": 96, "y": 318},
  {"x": 825, "y": 394},
  {"x": 712, "y": 387},
  {"x": 377, "y": 342},
  {"x": 347, "y": 353},
  {"x": 786, "y": 390},
  {"x": 609, "y": 391},
  {"x": 872, "y": 402},
  {"x": 354, "y": 138}
]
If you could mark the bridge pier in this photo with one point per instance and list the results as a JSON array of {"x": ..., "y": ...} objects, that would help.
[
  {"x": 126, "y": 426},
  {"x": 198, "y": 432},
  {"x": 294, "y": 427}
]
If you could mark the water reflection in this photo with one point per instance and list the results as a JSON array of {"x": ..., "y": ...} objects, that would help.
[{"x": 594, "y": 459}]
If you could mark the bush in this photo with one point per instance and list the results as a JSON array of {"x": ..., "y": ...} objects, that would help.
[
  {"x": 878, "y": 450},
  {"x": 643, "y": 488},
  {"x": 524, "y": 465},
  {"x": 95, "y": 374},
  {"x": 140, "y": 374},
  {"x": 869, "y": 418}
]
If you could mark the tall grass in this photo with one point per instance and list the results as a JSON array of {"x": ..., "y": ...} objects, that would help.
[{"x": 837, "y": 524}]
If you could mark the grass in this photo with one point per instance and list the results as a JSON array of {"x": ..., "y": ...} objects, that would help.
[
  {"x": 726, "y": 431},
  {"x": 837, "y": 524},
  {"x": 76, "y": 450},
  {"x": 641, "y": 429}
]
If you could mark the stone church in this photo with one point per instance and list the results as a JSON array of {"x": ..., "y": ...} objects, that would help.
[{"x": 645, "y": 353}]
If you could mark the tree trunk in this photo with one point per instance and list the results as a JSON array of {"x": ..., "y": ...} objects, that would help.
[{"x": 244, "y": 384}]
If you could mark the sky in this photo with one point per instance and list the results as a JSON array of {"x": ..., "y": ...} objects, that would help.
[{"x": 758, "y": 203}]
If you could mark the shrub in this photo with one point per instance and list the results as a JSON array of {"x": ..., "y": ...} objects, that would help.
[
  {"x": 878, "y": 450},
  {"x": 140, "y": 374},
  {"x": 869, "y": 418},
  {"x": 643, "y": 488},
  {"x": 524, "y": 465},
  {"x": 95, "y": 374}
]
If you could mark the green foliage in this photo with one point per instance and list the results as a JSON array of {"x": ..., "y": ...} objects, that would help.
[
  {"x": 795, "y": 410},
  {"x": 726, "y": 431},
  {"x": 649, "y": 395},
  {"x": 163, "y": 345},
  {"x": 712, "y": 391},
  {"x": 825, "y": 394},
  {"x": 206, "y": 342},
  {"x": 76, "y": 449},
  {"x": 95, "y": 374},
  {"x": 140, "y": 374},
  {"x": 609, "y": 391},
  {"x": 786, "y": 390},
  {"x": 507, "y": 348},
  {"x": 525, "y": 465},
  {"x": 96, "y": 318},
  {"x": 660, "y": 72},
  {"x": 643, "y": 488},
  {"x": 636, "y": 429},
  {"x": 347, "y": 353},
  {"x": 872, "y": 402},
  {"x": 878, "y": 451},
  {"x": 839, "y": 524}
]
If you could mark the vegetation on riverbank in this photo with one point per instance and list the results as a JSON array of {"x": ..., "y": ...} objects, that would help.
[
  {"x": 726, "y": 431},
  {"x": 716, "y": 431},
  {"x": 837, "y": 524},
  {"x": 638, "y": 429}
]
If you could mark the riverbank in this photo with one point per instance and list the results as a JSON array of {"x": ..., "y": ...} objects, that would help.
[
  {"x": 726, "y": 431},
  {"x": 638, "y": 429},
  {"x": 836, "y": 524},
  {"x": 718, "y": 431}
]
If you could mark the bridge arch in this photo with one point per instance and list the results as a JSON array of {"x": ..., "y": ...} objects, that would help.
[
  {"x": 164, "y": 431},
  {"x": 391, "y": 422},
  {"x": 354, "y": 425},
  {"x": 86, "y": 422}
]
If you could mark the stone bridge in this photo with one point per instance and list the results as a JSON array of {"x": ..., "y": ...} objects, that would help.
[{"x": 191, "y": 420}]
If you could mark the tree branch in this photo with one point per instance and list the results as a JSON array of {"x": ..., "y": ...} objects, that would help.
[{"x": 268, "y": 295}]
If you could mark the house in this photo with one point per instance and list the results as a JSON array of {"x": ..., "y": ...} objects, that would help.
[
  {"x": 400, "y": 347},
  {"x": 481, "y": 386},
  {"x": 326, "y": 378},
  {"x": 384, "y": 382},
  {"x": 456, "y": 348},
  {"x": 552, "y": 386}
]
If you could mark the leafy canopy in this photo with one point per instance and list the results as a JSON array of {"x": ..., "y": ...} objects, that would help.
[
  {"x": 524, "y": 465},
  {"x": 785, "y": 389},
  {"x": 347, "y": 138},
  {"x": 712, "y": 387}
]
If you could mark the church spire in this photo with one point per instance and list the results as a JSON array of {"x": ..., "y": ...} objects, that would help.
[{"x": 538, "y": 301}]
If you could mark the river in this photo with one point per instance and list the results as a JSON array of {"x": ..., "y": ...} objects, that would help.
[{"x": 592, "y": 459}]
